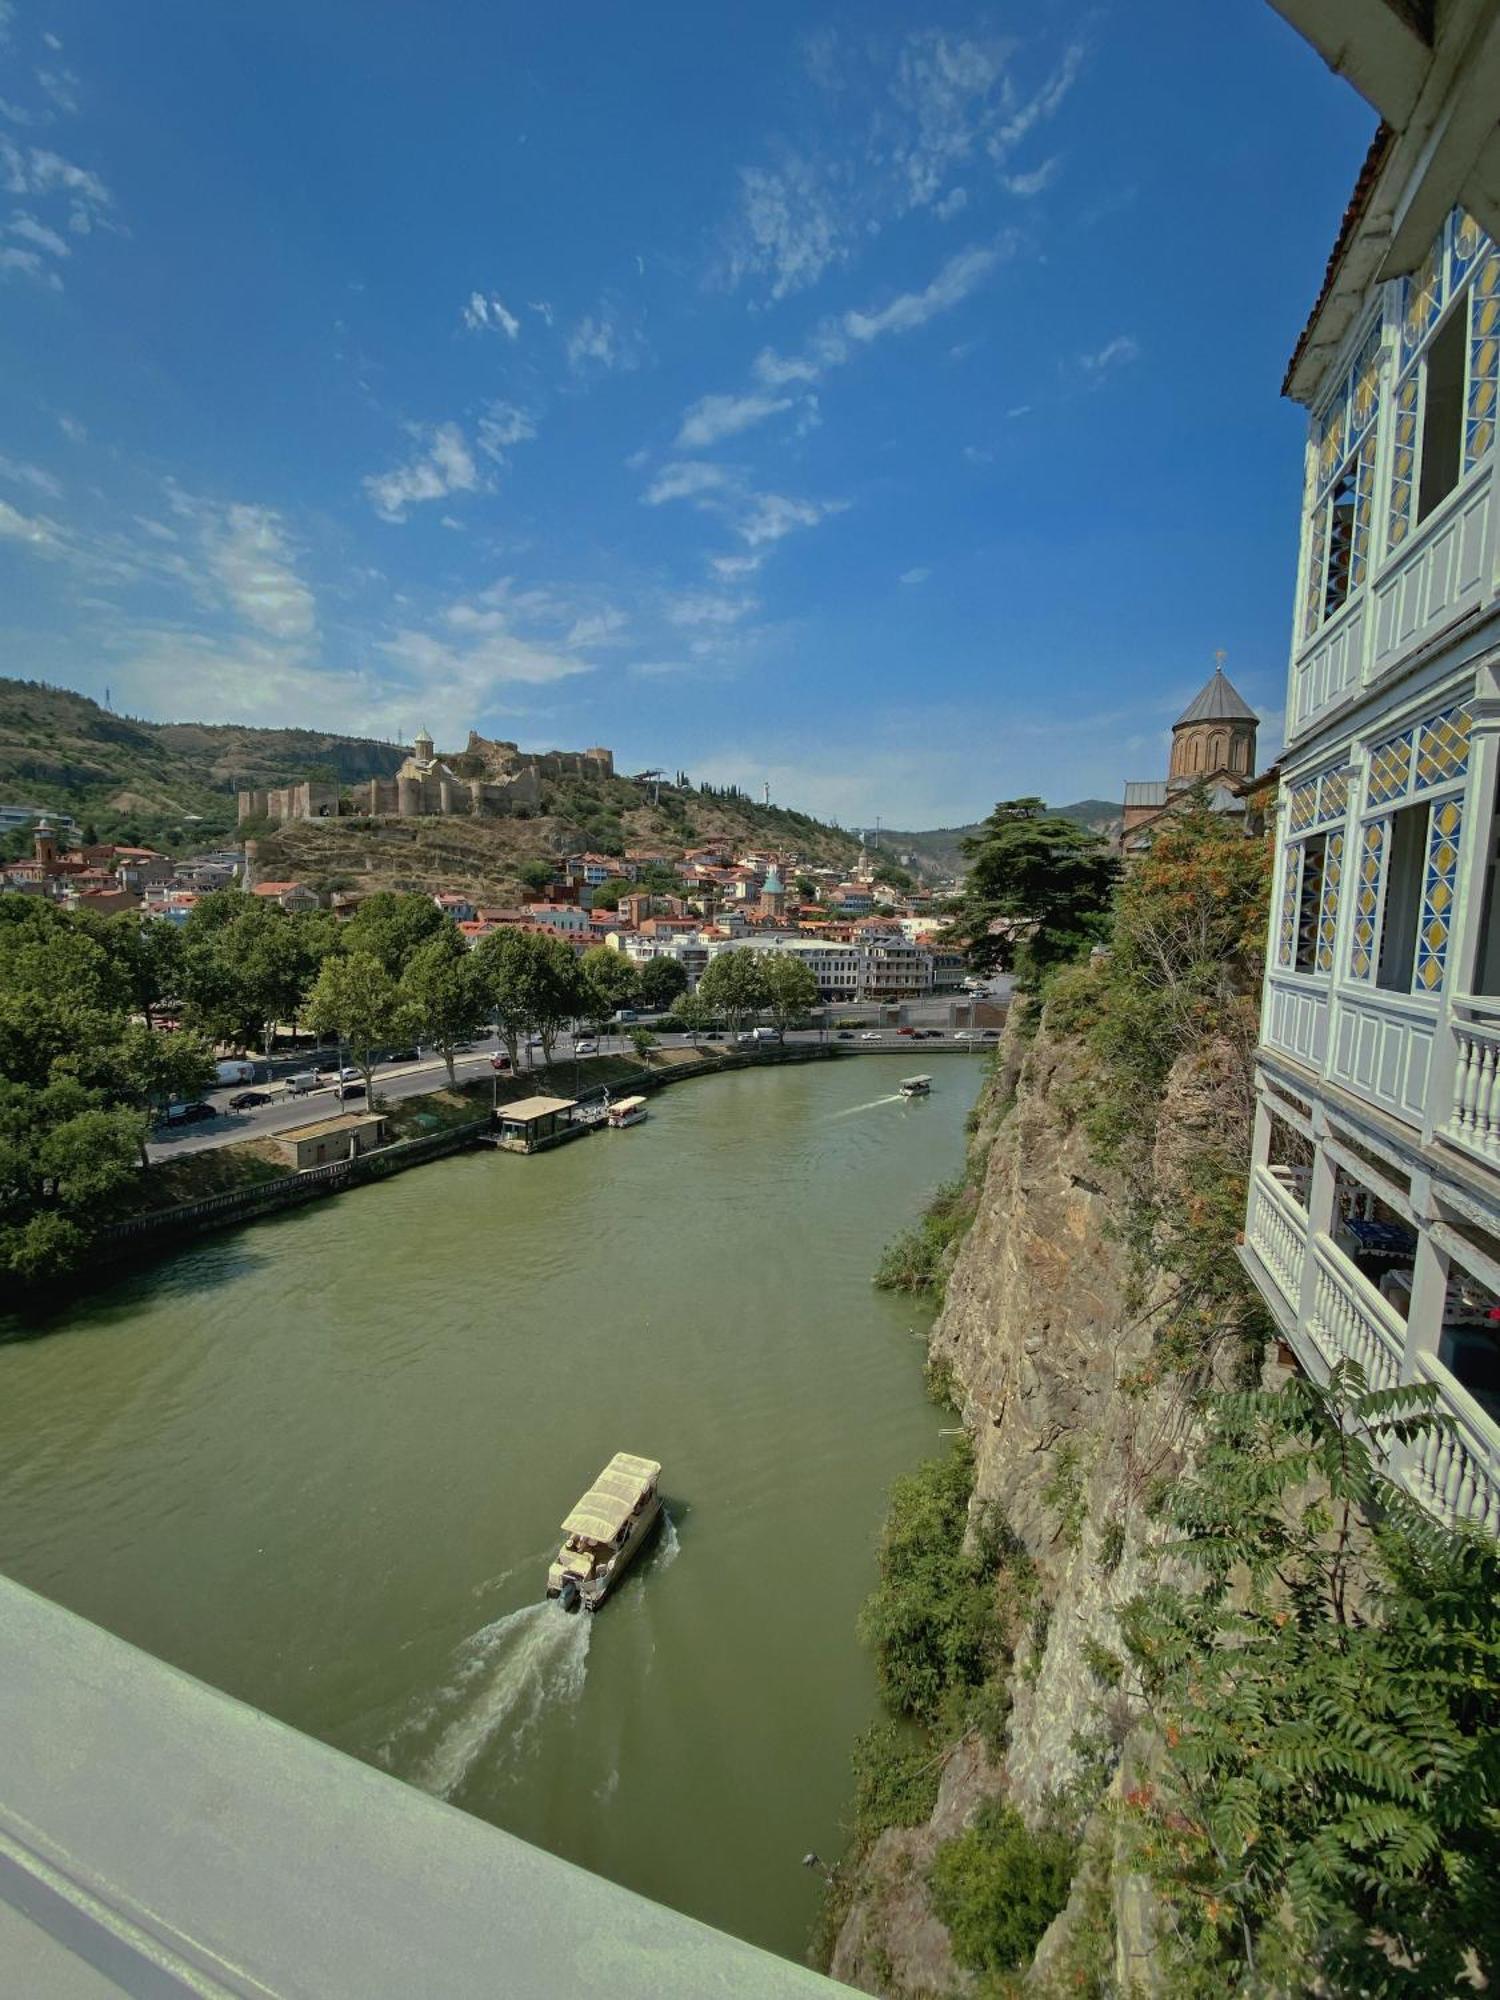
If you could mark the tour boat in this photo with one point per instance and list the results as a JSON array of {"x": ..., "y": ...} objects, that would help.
[
  {"x": 915, "y": 1086},
  {"x": 604, "y": 1531},
  {"x": 626, "y": 1111}
]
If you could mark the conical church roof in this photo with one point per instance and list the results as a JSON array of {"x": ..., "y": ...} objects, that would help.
[{"x": 1216, "y": 701}]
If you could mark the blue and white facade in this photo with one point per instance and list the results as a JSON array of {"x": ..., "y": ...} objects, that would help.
[{"x": 1373, "y": 1225}]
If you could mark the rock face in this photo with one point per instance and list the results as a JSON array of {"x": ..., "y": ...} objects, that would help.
[{"x": 1050, "y": 1347}]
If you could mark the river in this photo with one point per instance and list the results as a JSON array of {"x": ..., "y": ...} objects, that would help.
[{"x": 319, "y": 1461}]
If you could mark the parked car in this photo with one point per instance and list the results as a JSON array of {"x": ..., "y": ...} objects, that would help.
[
  {"x": 990, "y": 1035},
  {"x": 501, "y": 1063},
  {"x": 846, "y": 1034},
  {"x": 248, "y": 1100},
  {"x": 533, "y": 1041},
  {"x": 907, "y": 1031},
  {"x": 587, "y": 1047},
  {"x": 188, "y": 1114},
  {"x": 713, "y": 1034},
  {"x": 348, "y": 1090},
  {"x": 403, "y": 1055}
]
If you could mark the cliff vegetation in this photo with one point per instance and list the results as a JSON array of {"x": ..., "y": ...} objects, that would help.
[{"x": 1182, "y": 1698}]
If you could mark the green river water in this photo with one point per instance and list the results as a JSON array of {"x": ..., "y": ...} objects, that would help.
[{"x": 319, "y": 1462}]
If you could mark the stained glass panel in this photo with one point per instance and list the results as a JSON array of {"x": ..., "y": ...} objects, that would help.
[
  {"x": 1330, "y": 439},
  {"x": 1304, "y": 805},
  {"x": 1286, "y": 936},
  {"x": 1439, "y": 890},
  {"x": 1364, "y": 392},
  {"x": 1364, "y": 494},
  {"x": 1403, "y": 461},
  {"x": 1333, "y": 868},
  {"x": 1422, "y": 296},
  {"x": 1484, "y": 360},
  {"x": 1312, "y": 601},
  {"x": 1367, "y": 899},
  {"x": 1333, "y": 795},
  {"x": 1443, "y": 748},
  {"x": 1466, "y": 236},
  {"x": 1390, "y": 767}
]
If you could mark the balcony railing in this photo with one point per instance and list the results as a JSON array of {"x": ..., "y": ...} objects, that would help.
[
  {"x": 1350, "y": 1321},
  {"x": 1276, "y": 1230},
  {"x": 1474, "y": 1120},
  {"x": 1454, "y": 1467}
]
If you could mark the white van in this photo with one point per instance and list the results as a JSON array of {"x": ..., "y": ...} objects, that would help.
[
  {"x": 766, "y": 1035},
  {"x": 235, "y": 1072},
  {"x": 304, "y": 1081}
]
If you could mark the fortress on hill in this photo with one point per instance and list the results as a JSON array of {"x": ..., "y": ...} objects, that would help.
[{"x": 484, "y": 777}]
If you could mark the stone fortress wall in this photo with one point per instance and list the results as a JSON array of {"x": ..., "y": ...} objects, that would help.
[{"x": 485, "y": 777}]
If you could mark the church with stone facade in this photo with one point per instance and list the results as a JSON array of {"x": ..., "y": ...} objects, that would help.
[
  {"x": 1213, "y": 748},
  {"x": 486, "y": 777}
]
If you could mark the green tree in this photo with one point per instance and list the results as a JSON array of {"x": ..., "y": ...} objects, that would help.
[
  {"x": 733, "y": 986},
  {"x": 535, "y": 875},
  {"x": 791, "y": 987},
  {"x": 390, "y": 927},
  {"x": 642, "y": 1041},
  {"x": 662, "y": 981},
  {"x": 63, "y": 1155},
  {"x": 245, "y": 967},
  {"x": 807, "y": 888},
  {"x": 607, "y": 895},
  {"x": 533, "y": 985},
  {"x": 355, "y": 998},
  {"x": 1028, "y": 866},
  {"x": 1327, "y": 1814},
  {"x": 149, "y": 953},
  {"x": 445, "y": 992},
  {"x": 998, "y": 1885},
  {"x": 610, "y": 982},
  {"x": 138, "y": 1069}
]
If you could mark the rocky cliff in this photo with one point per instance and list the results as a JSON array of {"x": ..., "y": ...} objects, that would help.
[{"x": 1049, "y": 1340}]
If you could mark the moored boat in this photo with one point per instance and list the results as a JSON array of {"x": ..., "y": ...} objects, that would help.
[
  {"x": 915, "y": 1086},
  {"x": 626, "y": 1111},
  {"x": 605, "y": 1530}
]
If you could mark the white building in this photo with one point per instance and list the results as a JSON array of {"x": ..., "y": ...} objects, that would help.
[{"x": 1373, "y": 1228}]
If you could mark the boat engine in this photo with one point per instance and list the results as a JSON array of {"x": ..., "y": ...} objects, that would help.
[{"x": 570, "y": 1596}]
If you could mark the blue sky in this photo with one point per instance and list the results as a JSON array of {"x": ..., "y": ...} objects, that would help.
[{"x": 876, "y": 400}]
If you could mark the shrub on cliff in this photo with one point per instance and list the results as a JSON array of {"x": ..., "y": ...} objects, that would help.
[
  {"x": 997, "y": 1886},
  {"x": 931, "y": 1620}
]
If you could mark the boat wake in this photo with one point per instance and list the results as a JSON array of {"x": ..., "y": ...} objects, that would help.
[
  {"x": 873, "y": 1105},
  {"x": 671, "y": 1548},
  {"x": 507, "y": 1677}
]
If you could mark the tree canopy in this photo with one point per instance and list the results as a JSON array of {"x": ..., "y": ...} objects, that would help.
[{"x": 1048, "y": 876}]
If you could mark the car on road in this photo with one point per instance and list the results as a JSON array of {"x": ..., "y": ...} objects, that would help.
[
  {"x": 403, "y": 1055},
  {"x": 348, "y": 1090},
  {"x": 533, "y": 1041},
  {"x": 872, "y": 1035},
  {"x": 500, "y": 1062},
  {"x": 587, "y": 1047},
  {"x": 186, "y": 1114},
  {"x": 846, "y": 1034},
  {"x": 248, "y": 1100},
  {"x": 990, "y": 1035}
]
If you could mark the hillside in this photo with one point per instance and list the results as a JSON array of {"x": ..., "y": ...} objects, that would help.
[
  {"x": 482, "y": 858},
  {"x": 162, "y": 782},
  {"x": 939, "y": 851},
  {"x": 172, "y": 784}
]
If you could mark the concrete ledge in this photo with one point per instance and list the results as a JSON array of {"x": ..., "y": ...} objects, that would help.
[{"x": 158, "y": 1839}]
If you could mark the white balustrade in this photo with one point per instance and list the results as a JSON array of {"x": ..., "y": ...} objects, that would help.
[
  {"x": 1474, "y": 1120},
  {"x": 1276, "y": 1230},
  {"x": 1350, "y": 1320},
  {"x": 1453, "y": 1466}
]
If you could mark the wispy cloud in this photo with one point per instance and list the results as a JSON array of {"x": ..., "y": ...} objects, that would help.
[
  {"x": 21, "y": 474},
  {"x": 35, "y": 533},
  {"x": 708, "y": 608},
  {"x": 716, "y": 417},
  {"x": 488, "y": 314},
  {"x": 604, "y": 343},
  {"x": 792, "y": 222},
  {"x": 686, "y": 481},
  {"x": 61, "y": 86},
  {"x": 1117, "y": 353},
  {"x": 918, "y": 575},
  {"x": 771, "y": 516},
  {"x": 955, "y": 200},
  {"x": 502, "y": 426},
  {"x": 445, "y": 466},
  {"x": 953, "y": 283},
  {"x": 251, "y": 558},
  {"x": 734, "y": 569}
]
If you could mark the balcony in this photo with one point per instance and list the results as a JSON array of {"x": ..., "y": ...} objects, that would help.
[
  {"x": 1330, "y": 1312},
  {"x": 1473, "y": 1122}
]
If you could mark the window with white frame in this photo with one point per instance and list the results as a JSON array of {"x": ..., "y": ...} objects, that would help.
[
  {"x": 1343, "y": 488},
  {"x": 1406, "y": 861},
  {"x": 1448, "y": 372}
]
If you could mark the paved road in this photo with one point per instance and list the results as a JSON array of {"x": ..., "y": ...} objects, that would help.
[{"x": 398, "y": 1080}]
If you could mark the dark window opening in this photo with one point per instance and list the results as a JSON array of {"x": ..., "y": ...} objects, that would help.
[
  {"x": 1342, "y": 502},
  {"x": 1403, "y": 899},
  {"x": 1487, "y": 959},
  {"x": 1443, "y": 413},
  {"x": 1310, "y": 902}
]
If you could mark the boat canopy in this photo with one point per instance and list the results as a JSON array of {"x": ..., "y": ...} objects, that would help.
[
  {"x": 627, "y": 1103},
  {"x": 908, "y": 1081},
  {"x": 613, "y": 1497}
]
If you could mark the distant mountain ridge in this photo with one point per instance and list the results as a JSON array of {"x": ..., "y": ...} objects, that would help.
[{"x": 939, "y": 851}]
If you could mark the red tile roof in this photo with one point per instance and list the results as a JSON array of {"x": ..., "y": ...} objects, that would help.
[{"x": 1359, "y": 201}]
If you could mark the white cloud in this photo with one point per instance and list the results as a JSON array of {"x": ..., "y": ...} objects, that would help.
[
  {"x": 598, "y": 628},
  {"x": 793, "y": 221},
  {"x": 500, "y": 426},
  {"x": 776, "y": 370},
  {"x": 7, "y": 20},
  {"x": 249, "y": 556},
  {"x": 602, "y": 344},
  {"x": 918, "y": 575},
  {"x": 734, "y": 569},
  {"x": 659, "y": 669},
  {"x": 1024, "y": 117},
  {"x": 541, "y": 307},
  {"x": 446, "y": 466},
  {"x": 489, "y": 653},
  {"x": 685, "y": 481},
  {"x": 977, "y": 455},
  {"x": 1117, "y": 353},
  {"x": 489, "y": 314},
  {"x": 951, "y": 203},
  {"x": 72, "y": 429},
  {"x": 31, "y": 231},
  {"x": 30, "y": 264},
  {"x": 716, "y": 417},
  {"x": 1026, "y": 185},
  {"x": 61, "y": 86},
  {"x": 953, "y": 283},
  {"x": 47, "y": 173},
  {"x": 771, "y": 516},
  {"x": 22, "y": 474},
  {"x": 32, "y": 531},
  {"x": 696, "y": 608}
]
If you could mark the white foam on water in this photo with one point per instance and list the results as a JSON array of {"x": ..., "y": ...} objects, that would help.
[
  {"x": 508, "y": 1675},
  {"x": 671, "y": 1547},
  {"x": 873, "y": 1105}
]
